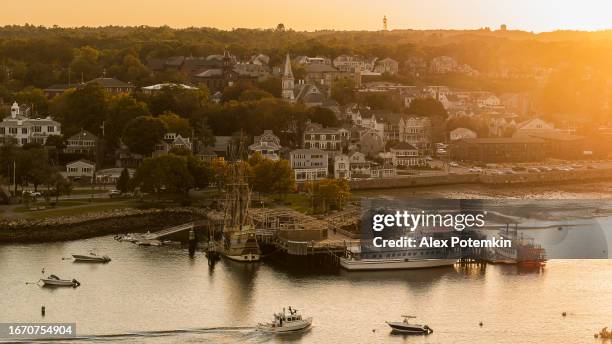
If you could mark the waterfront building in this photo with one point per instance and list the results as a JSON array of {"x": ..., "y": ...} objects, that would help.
[
  {"x": 342, "y": 167},
  {"x": 383, "y": 171},
  {"x": 309, "y": 164},
  {"x": 80, "y": 169},
  {"x": 405, "y": 154},
  {"x": 21, "y": 128},
  {"x": 360, "y": 167}
]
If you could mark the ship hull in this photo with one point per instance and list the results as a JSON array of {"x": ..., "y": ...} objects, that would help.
[{"x": 363, "y": 265}]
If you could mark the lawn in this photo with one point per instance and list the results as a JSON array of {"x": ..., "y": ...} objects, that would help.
[{"x": 75, "y": 208}]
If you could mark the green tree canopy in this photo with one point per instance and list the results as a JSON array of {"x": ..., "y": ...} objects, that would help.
[{"x": 142, "y": 133}]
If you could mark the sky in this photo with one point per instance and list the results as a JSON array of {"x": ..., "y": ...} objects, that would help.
[{"x": 528, "y": 15}]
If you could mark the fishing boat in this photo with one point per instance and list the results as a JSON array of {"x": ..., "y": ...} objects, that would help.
[
  {"x": 54, "y": 281},
  {"x": 91, "y": 258},
  {"x": 406, "y": 327},
  {"x": 286, "y": 323}
]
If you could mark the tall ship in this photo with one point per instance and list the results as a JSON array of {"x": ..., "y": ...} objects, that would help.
[
  {"x": 239, "y": 239},
  {"x": 522, "y": 251}
]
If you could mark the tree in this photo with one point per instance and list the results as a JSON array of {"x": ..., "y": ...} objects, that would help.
[
  {"x": 323, "y": 116},
  {"x": 124, "y": 181},
  {"x": 328, "y": 194},
  {"x": 343, "y": 91},
  {"x": 201, "y": 172},
  {"x": 280, "y": 27},
  {"x": 34, "y": 97},
  {"x": 85, "y": 64},
  {"x": 84, "y": 108},
  {"x": 33, "y": 166},
  {"x": 121, "y": 109},
  {"x": 176, "y": 124},
  {"x": 254, "y": 94},
  {"x": 166, "y": 173},
  {"x": 141, "y": 134},
  {"x": 427, "y": 107},
  {"x": 59, "y": 185}
]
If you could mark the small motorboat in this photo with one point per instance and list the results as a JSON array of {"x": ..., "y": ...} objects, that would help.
[
  {"x": 91, "y": 258},
  {"x": 54, "y": 281},
  {"x": 406, "y": 327},
  {"x": 286, "y": 323}
]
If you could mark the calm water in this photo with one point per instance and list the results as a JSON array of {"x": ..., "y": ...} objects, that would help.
[{"x": 151, "y": 294}]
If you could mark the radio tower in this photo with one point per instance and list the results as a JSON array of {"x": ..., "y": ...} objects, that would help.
[{"x": 385, "y": 23}]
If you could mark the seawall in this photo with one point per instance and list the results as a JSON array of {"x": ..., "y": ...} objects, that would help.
[
  {"x": 474, "y": 178},
  {"x": 96, "y": 224}
]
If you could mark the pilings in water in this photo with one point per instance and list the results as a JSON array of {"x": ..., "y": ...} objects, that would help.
[{"x": 193, "y": 242}]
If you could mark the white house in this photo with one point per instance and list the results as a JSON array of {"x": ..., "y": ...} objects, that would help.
[
  {"x": 23, "y": 129},
  {"x": 266, "y": 144},
  {"x": 360, "y": 167},
  {"x": 309, "y": 164},
  {"x": 407, "y": 155},
  {"x": 80, "y": 169},
  {"x": 416, "y": 131},
  {"x": 342, "y": 167}
]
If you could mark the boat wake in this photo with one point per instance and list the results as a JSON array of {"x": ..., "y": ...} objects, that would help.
[{"x": 142, "y": 336}]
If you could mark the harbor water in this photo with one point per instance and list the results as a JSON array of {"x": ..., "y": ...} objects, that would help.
[{"x": 160, "y": 295}]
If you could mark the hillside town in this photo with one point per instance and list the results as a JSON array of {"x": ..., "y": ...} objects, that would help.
[{"x": 345, "y": 117}]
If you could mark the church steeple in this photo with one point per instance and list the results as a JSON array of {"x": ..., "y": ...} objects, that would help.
[{"x": 288, "y": 82}]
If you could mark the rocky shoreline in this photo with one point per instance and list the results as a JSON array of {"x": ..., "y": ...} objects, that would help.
[{"x": 95, "y": 224}]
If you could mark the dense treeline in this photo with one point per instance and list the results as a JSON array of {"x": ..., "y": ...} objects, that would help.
[{"x": 34, "y": 57}]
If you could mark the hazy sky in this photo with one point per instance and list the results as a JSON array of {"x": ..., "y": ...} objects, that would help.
[{"x": 530, "y": 15}]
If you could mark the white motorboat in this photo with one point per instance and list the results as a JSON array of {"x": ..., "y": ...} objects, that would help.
[
  {"x": 91, "y": 258},
  {"x": 286, "y": 323},
  {"x": 54, "y": 281},
  {"x": 406, "y": 327}
]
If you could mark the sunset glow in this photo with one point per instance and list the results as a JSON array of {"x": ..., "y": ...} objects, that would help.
[{"x": 544, "y": 15}]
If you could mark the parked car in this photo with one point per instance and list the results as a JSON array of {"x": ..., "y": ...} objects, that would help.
[
  {"x": 533, "y": 170},
  {"x": 114, "y": 193},
  {"x": 453, "y": 164},
  {"x": 31, "y": 193}
]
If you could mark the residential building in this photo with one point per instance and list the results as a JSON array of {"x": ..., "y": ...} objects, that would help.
[
  {"x": 342, "y": 167},
  {"x": 110, "y": 176},
  {"x": 416, "y": 131},
  {"x": 82, "y": 142},
  {"x": 309, "y": 164},
  {"x": 172, "y": 141},
  {"x": 304, "y": 60},
  {"x": 353, "y": 63},
  {"x": 266, "y": 144},
  {"x": 383, "y": 171},
  {"x": 386, "y": 65},
  {"x": 360, "y": 167},
  {"x": 22, "y": 129},
  {"x": 80, "y": 169},
  {"x": 112, "y": 85},
  {"x": 405, "y": 154},
  {"x": 327, "y": 139},
  {"x": 371, "y": 142}
]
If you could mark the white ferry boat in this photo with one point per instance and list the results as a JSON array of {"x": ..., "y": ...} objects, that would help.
[{"x": 397, "y": 259}]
